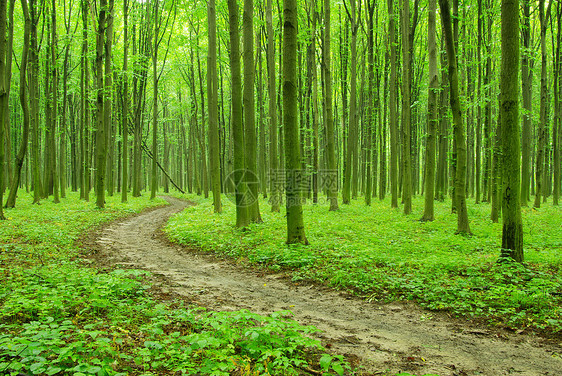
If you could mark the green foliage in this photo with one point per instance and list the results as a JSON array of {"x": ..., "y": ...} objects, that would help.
[
  {"x": 380, "y": 254},
  {"x": 58, "y": 316}
]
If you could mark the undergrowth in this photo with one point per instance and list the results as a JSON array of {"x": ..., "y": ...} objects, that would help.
[
  {"x": 381, "y": 254},
  {"x": 58, "y": 316}
]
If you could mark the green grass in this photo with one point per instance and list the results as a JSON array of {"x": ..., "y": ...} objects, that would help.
[
  {"x": 379, "y": 253},
  {"x": 60, "y": 316}
]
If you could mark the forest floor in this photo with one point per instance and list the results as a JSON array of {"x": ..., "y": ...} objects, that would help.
[{"x": 395, "y": 337}]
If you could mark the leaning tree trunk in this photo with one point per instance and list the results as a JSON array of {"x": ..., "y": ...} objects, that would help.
[
  {"x": 512, "y": 230},
  {"x": 540, "y": 176},
  {"x": 460, "y": 138},
  {"x": 11, "y": 202}
]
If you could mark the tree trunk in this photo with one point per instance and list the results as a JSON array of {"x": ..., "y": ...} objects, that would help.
[
  {"x": 432, "y": 113},
  {"x": 25, "y": 109},
  {"x": 392, "y": 105},
  {"x": 406, "y": 113},
  {"x": 460, "y": 138},
  {"x": 249, "y": 113},
  {"x": 295, "y": 222},
  {"x": 154, "y": 172},
  {"x": 512, "y": 230},
  {"x": 273, "y": 160},
  {"x": 242, "y": 218},
  {"x": 556, "y": 128},
  {"x": 212, "y": 95},
  {"x": 540, "y": 177},
  {"x": 34, "y": 100},
  {"x": 332, "y": 185},
  {"x": 3, "y": 95},
  {"x": 101, "y": 141},
  {"x": 125, "y": 108},
  {"x": 54, "y": 109},
  {"x": 527, "y": 91}
]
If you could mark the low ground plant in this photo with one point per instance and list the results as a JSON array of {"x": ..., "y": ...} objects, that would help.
[
  {"x": 61, "y": 316},
  {"x": 381, "y": 254}
]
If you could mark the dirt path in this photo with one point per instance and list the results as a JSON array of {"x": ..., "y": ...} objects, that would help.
[{"x": 395, "y": 337}]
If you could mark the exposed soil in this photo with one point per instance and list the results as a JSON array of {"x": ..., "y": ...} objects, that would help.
[{"x": 398, "y": 337}]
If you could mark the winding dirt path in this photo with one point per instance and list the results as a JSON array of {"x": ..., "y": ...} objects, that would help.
[{"x": 395, "y": 337}]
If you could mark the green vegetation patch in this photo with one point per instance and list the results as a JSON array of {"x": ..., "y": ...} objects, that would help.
[
  {"x": 58, "y": 316},
  {"x": 381, "y": 254}
]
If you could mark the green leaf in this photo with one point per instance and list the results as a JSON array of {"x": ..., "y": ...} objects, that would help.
[{"x": 325, "y": 361}]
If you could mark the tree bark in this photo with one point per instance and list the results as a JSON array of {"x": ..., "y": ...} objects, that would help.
[
  {"x": 11, "y": 202},
  {"x": 432, "y": 113},
  {"x": 295, "y": 222},
  {"x": 406, "y": 113},
  {"x": 273, "y": 160},
  {"x": 3, "y": 95},
  {"x": 460, "y": 138},
  {"x": 332, "y": 186},
  {"x": 242, "y": 218},
  {"x": 125, "y": 104},
  {"x": 540, "y": 176},
  {"x": 212, "y": 95},
  {"x": 512, "y": 230},
  {"x": 392, "y": 105},
  {"x": 101, "y": 141},
  {"x": 249, "y": 113}
]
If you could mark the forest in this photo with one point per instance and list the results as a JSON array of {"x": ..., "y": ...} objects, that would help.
[{"x": 298, "y": 187}]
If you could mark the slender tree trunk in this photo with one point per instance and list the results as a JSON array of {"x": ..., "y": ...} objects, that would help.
[
  {"x": 332, "y": 186},
  {"x": 212, "y": 95},
  {"x": 460, "y": 138},
  {"x": 125, "y": 108},
  {"x": 3, "y": 94},
  {"x": 54, "y": 109},
  {"x": 9, "y": 53},
  {"x": 496, "y": 178},
  {"x": 392, "y": 105},
  {"x": 154, "y": 174},
  {"x": 406, "y": 113},
  {"x": 371, "y": 101},
  {"x": 512, "y": 230},
  {"x": 540, "y": 176},
  {"x": 273, "y": 160},
  {"x": 556, "y": 128},
  {"x": 25, "y": 108},
  {"x": 108, "y": 98},
  {"x": 242, "y": 218},
  {"x": 101, "y": 144},
  {"x": 527, "y": 104},
  {"x": 249, "y": 112},
  {"x": 432, "y": 113},
  {"x": 295, "y": 222},
  {"x": 34, "y": 101}
]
